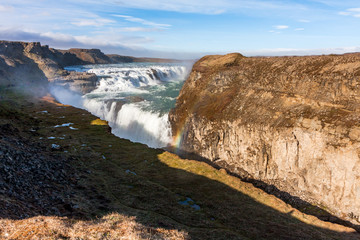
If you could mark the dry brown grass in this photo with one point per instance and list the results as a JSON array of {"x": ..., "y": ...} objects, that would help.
[{"x": 112, "y": 226}]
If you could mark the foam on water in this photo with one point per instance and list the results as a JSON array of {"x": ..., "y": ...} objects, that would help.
[
  {"x": 155, "y": 88},
  {"x": 132, "y": 77},
  {"x": 130, "y": 121}
]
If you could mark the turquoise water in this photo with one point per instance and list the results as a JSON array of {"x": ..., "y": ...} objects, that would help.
[{"x": 135, "y": 98}]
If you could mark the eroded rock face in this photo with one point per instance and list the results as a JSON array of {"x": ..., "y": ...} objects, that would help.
[
  {"x": 89, "y": 56},
  {"x": 17, "y": 65},
  {"x": 32, "y": 65},
  {"x": 81, "y": 82},
  {"x": 293, "y": 122}
]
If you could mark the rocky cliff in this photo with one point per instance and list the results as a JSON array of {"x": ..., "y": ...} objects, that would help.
[
  {"x": 291, "y": 122},
  {"x": 30, "y": 64},
  {"x": 95, "y": 56},
  {"x": 88, "y": 56},
  {"x": 20, "y": 63}
]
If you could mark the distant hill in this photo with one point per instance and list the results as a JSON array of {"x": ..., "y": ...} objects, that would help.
[
  {"x": 95, "y": 56},
  {"x": 118, "y": 59}
]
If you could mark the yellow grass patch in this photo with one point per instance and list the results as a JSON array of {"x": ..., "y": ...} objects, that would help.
[
  {"x": 99, "y": 122},
  {"x": 50, "y": 99}
]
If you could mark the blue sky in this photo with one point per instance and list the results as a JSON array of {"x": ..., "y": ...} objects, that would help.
[{"x": 186, "y": 28}]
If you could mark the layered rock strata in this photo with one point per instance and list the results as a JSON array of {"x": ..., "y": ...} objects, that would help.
[
  {"x": 30, "y": 64},
  {"x": 291, "y": 122}
]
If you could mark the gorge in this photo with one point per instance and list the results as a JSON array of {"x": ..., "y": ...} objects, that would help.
[{"x": 289, "y": 122}]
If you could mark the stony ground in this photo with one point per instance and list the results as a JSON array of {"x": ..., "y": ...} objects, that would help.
[{"x": 63, "y": 175}]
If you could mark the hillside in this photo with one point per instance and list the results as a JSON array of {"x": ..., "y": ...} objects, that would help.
[{"x": 95, "y": 56}]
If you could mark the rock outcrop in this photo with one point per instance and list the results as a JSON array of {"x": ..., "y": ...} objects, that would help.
[
  {"x": 95, "y": 56},
  {"x": 88, "y": 56},
  {"x": 291, "y": 122},
  {"x": 81, "y": 82},
  {"x": 18, "y": 65},
  {"x": 30, "y": 64}
]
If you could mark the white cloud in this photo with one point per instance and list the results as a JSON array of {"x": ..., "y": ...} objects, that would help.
[
  {"x": 100, "y": 41},
  {"x": 345, "y": 13},
  {"x": 304, "y": 21},
  {"x": 139, "y": 29},
  {"x": 281, "y": 27},
  {"x": 185, "y": 6},
  {"x": 124, "y": 45},
  {"x": 354, "y": 9},
  {"x": 66, "y": 40},
  {"x": 45, "y": 14},
  {"x": 355, "y": 12},
  {"x": 58, "y": 36},
  {"x": 142, "y": 21},
  {"x": 4, "y": 8},
  {"x": 205, "y": 6},
  {"x": 97, "y": 22},
  {"x": 337, "y": 3},
  {"x": 299, "y": 29},
  {"x": 300, "y": 52}
]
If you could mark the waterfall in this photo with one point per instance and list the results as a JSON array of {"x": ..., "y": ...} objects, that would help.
[{"x": 134, "y": 98}]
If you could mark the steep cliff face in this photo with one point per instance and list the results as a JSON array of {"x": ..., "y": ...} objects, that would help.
[
  {"x": 30, "y": 64},
  {"x": 18, "y": 64},
  {"x": 88, "y": 56},
  {"x": 292, "y": 122}
]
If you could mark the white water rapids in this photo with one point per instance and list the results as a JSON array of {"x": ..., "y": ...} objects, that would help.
[{"x": 134, "y": 98}]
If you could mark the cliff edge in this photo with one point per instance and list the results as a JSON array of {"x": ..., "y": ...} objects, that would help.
[{"x": 291, "y": 122}]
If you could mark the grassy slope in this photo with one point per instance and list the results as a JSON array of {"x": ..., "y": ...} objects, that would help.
[{"x": 129, "y": 179}]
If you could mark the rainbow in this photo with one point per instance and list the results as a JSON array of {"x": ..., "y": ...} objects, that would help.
[{"x": 177, "y": 139}]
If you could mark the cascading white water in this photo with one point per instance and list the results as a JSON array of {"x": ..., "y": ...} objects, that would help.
[
  {"x": 141, "y": 126},
  {"x": 135, "y": 99},
  {"x": 133, "y": 123},
  {"x": 117, "y": 78}
]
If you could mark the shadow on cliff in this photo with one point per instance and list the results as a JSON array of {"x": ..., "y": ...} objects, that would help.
[
  {"x": 94, "y": 173},
  {"x": 294, "y": 201},
  {"x": 26, "y": 77}
]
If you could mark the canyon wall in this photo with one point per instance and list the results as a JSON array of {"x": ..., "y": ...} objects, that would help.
[
  {"x": 31, "y": 64},
  {"x": 19, "y": 65},
  {"x": 291, "y": 122}
]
